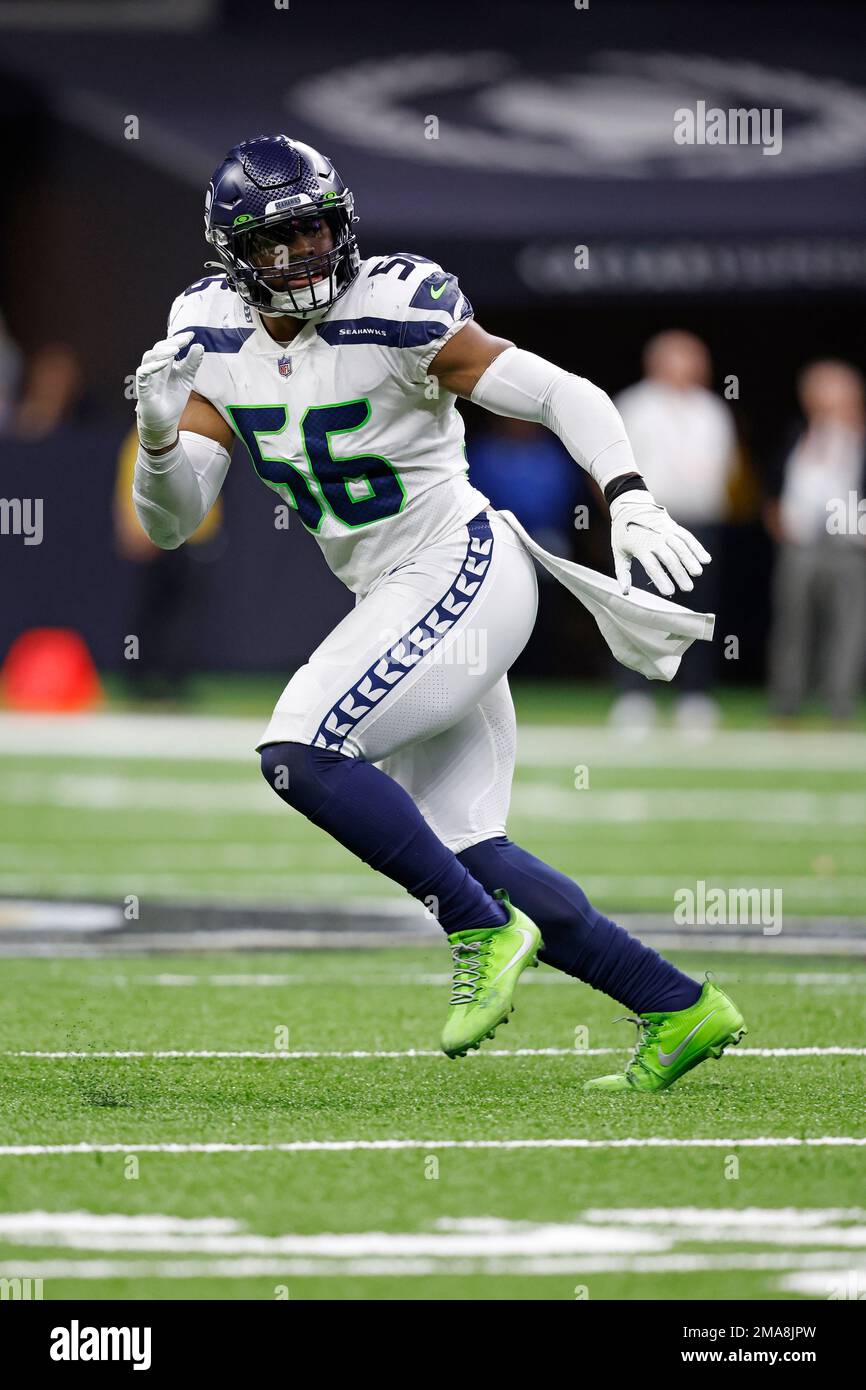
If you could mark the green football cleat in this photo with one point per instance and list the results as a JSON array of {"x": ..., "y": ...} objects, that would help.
[
  {"x": 487, "y": 965},
  {"x": 669, "y": 1045}
]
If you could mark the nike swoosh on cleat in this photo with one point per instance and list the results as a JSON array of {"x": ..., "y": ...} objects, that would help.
[
  {"x": 666, "y": 1058},
  {"x": 519, "y": 953}
]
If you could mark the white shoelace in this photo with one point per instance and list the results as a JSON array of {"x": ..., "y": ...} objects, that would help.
[{"x": 468, "y": 971}]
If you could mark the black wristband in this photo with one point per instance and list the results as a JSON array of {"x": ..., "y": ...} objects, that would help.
[{"x": 626, "y": 482}]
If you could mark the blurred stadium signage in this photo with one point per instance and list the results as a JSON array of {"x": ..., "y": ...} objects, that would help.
[{"x": 669, "y": 267}]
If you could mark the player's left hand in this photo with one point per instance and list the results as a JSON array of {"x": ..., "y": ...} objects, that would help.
[{"x": 642, "y": 530}]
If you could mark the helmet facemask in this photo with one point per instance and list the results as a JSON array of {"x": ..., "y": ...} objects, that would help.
[{"x": 272, "y": 270}]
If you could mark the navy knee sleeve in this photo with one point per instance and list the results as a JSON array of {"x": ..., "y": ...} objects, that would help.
[
  {"x": 375, "y": 818},
  {"x": 303, "y": 776}
]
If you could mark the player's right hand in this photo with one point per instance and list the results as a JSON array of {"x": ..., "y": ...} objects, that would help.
[{"x": 162, "y": 387}]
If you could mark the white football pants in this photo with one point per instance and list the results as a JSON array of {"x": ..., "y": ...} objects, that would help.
[{"x": 414, "y": 679}]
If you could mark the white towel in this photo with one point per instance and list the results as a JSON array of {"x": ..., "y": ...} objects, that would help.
[{"x": 644, "y": 631}]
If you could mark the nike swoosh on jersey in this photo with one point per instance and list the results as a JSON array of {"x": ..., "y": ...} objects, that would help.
[
  {"x": 666, "y": 1058},
  {"x": 437, "y": 294},
  {"x": 518, "y": 954}
]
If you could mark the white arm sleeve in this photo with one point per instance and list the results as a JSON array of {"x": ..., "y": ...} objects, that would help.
[
  {"x": 526, "y": 387},
  {"x": 174, "y": 492}
]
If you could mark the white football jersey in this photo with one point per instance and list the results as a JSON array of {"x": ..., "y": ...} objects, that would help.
[{"x": 344, "y": 422}]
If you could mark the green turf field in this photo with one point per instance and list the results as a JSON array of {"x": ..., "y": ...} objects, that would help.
[
  {"x": 587, "y": 702},
  {"x": 396, "y": 1173},
  {"x": 669, "y": 1221},
  {"x": 750, "y": 807}
]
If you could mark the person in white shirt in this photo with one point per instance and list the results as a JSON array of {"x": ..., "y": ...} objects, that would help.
[
  {"x": 817, "y": 519},
  {"x": 685, "y": 445}
]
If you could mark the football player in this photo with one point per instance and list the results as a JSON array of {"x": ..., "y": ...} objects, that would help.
[{"x": 340, "y": 376}]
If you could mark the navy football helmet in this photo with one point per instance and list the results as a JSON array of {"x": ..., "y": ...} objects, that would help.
[{"x": 269, "y": 210}]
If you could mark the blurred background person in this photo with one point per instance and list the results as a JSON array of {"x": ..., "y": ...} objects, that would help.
[
  {"x": 684, "y": 442},
  {"x": 10, "y": 372},
  {"x": 818, "y": 633},
  {"x": 52, "y": 392},
  {"x": 523, "y": 468},
  {"x": 166, "y": 593}
]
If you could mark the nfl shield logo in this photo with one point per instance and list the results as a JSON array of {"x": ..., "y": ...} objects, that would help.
[{"x": 285, "y": 366}]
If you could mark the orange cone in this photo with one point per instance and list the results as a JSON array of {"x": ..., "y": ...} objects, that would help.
[{"x": 50, "y": 668}]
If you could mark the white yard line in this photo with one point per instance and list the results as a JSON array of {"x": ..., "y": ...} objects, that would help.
[
  {"x": 96, "y": 791},
  {"x": 114, "y": 791},
  {"x": 832, "y": 1271},
  {"x": 210, "y": 940},
  {"x": 199, "y": 886},
  {"x": 845, "y": 1284},
  {"x": 271, "y": 1055},
  {"x": 184, "y": 737},
  {"x": 427, "y": 1145},
  {"x": 723, "y": 1219},
  {"x": 208, "y": 887},
  {"x": 577, "y": 1237},
  {"x": 549, "y": 745},
  {"x": 50, "y": 1226},
  {"x": 837, "y": 979},
  {"x": 826, "y": 1242},
  {"x": 191, "y": 738},
  {"x": 810, "y": 979},
  {"x": 673, "y": 805}
]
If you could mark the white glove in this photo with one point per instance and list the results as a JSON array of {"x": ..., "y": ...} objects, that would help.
[
  {"x": 642, "y": 530},
  {"x": 162, "y": 386}
]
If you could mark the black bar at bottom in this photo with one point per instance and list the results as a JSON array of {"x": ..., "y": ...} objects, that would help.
[{"x": 159, "y": 1338}]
